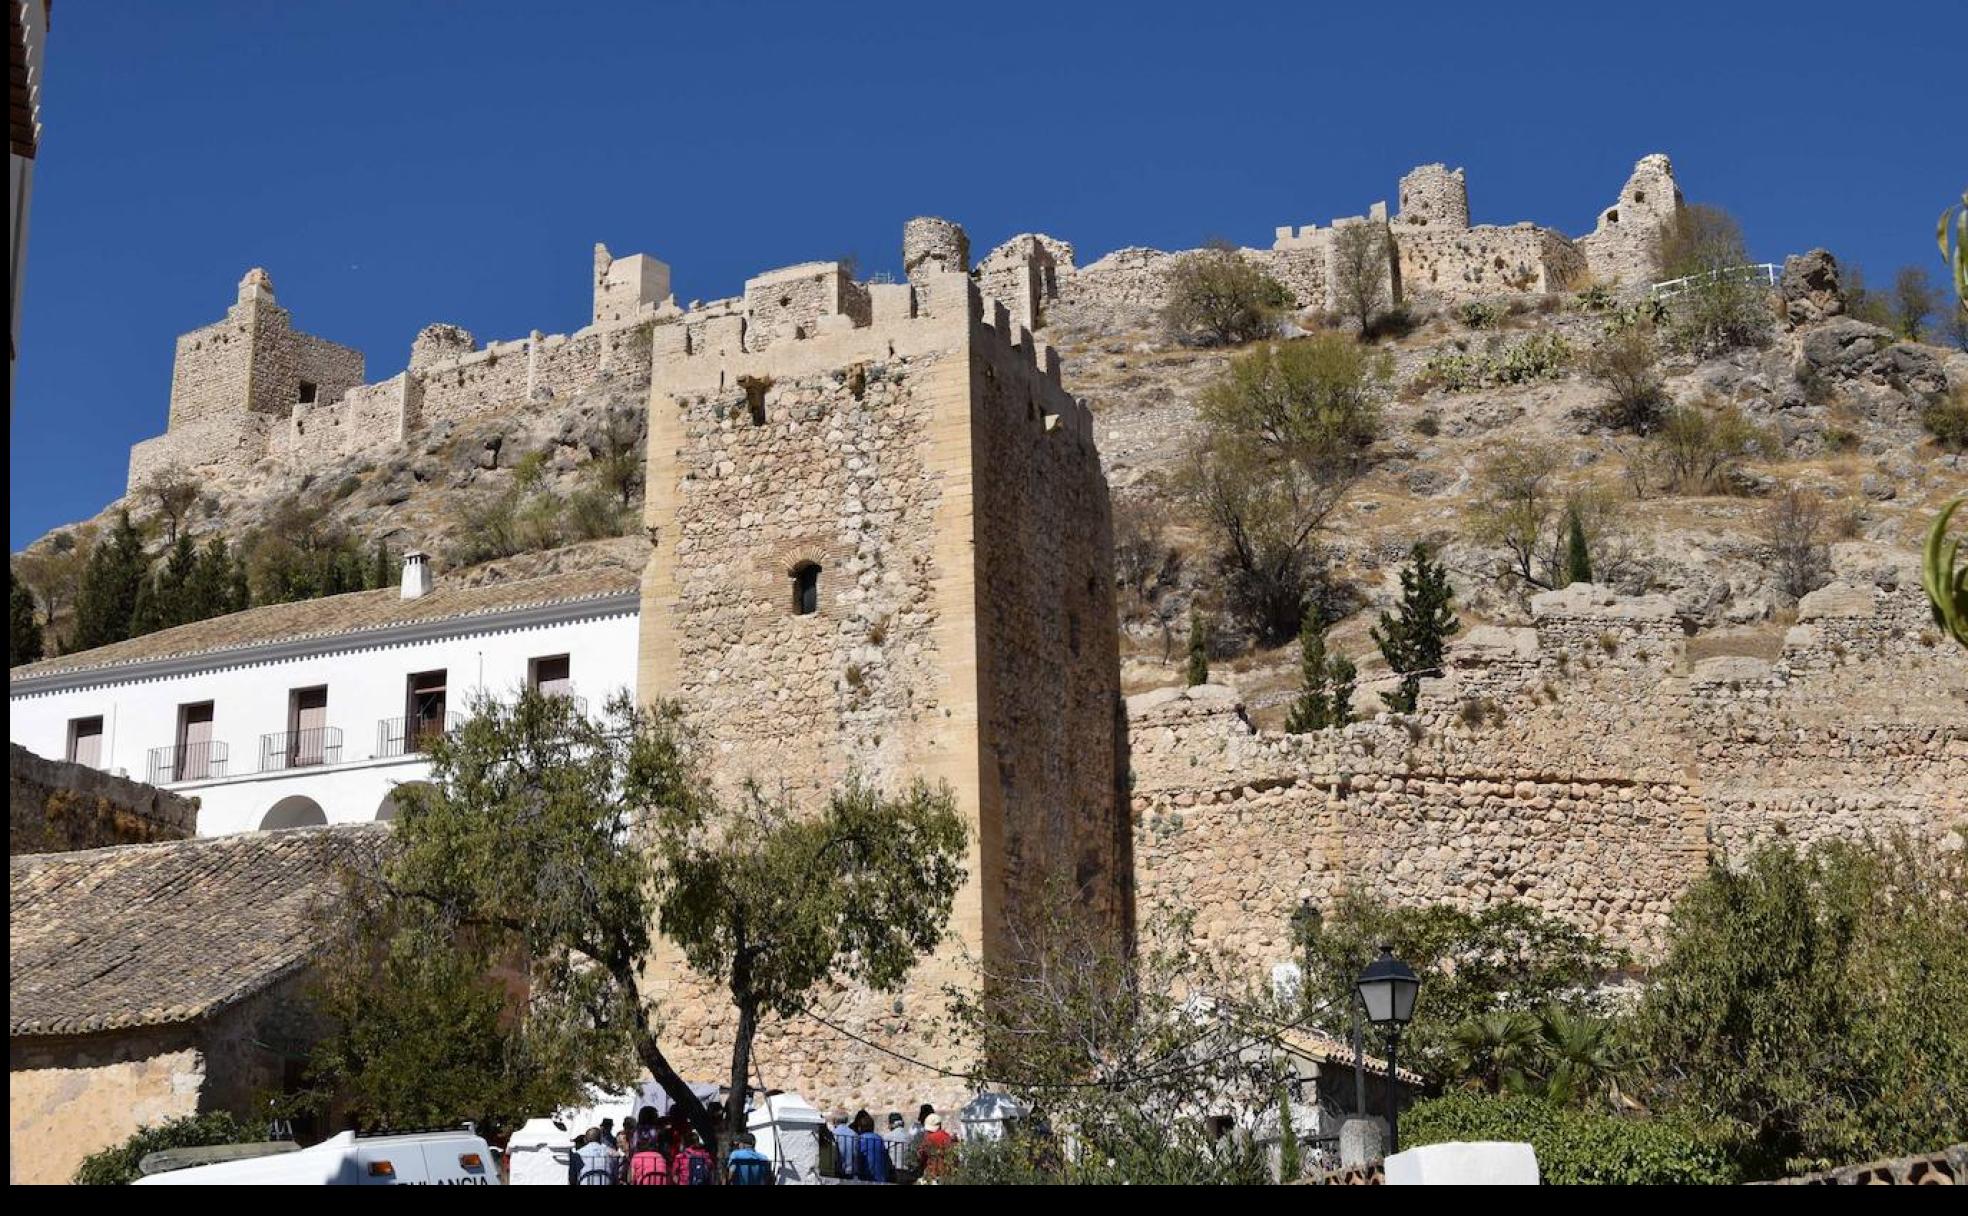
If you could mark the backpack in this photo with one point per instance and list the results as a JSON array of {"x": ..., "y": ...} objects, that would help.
[
  {"x": 693, "y": 1167},
  {"x": 647, "y": 1168},
  {"x": 830, "y": 1155},
  {"x": 750, "y": 1171}
]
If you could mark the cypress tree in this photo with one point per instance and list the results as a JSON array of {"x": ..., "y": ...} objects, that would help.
[
  {"x": 379, "y": 567},
  {"x": 106, "y": 603},
  {"x": 1578, "y": 559},
  {"x": 1198, "y": 648},
  {"x": 174, "y": 583},
  {"x": 23, "y": 625},
  {"x": 1313, "y": 708},
  {"x": 208, "y": 592},
  {"x": 1343, "y": 673},
  {"x": 240, "y": 594},
  {"x": 147, "y": 616},
  {"x": 1413, "y": 642},
  {"x": 1326, "y": 694}
]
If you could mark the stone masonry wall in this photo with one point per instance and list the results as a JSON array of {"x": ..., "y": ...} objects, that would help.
[
  {"x": 68, "y": 1097},
  {"x": 54, "y": 806},
  {"x": 921, "y": 455},
  {"x": 1048, "y": 637},
  {"x": 861, "y": 466},
  {"x": 1575, "y": 765}
]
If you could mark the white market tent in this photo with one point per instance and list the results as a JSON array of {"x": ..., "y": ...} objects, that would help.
[
  {"x": 788, "y": 1129},
  {"x": 989, "y": 1116},
  {"x": 537, "y": 1153}
]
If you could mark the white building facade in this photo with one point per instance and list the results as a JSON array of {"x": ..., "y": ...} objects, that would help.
[{"x": 280, "y": 732}]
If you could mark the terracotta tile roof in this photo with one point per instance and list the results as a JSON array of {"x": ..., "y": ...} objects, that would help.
[
  {"x": 155, "y": 934},
  {"x": 1315, "y": 1046},
  {"x": 353, "y": 613}
]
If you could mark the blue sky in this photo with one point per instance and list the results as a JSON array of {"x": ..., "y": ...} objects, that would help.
[{"x": 394, "y": 164}]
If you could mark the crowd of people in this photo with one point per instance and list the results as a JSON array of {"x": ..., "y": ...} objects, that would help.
[
  {"x": 903, "y": 1153},
  {"x": 661, "y": 1150}
]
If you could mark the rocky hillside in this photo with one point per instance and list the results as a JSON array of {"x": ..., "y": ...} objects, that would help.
[{"x": 1839, "y": 402}]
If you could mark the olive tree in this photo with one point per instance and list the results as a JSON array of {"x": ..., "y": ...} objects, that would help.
[
  {"x": 547, "y": 850},
  {"x": 1285, "y": 432},
  {"x": 1221, "y": 297}
]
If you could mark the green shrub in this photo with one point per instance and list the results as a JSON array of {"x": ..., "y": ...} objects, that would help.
[
  {"x": 1542, "y": 356},
  {"x": 1577, "y": 1146},
  {"x": 1625, "y": 366},
  {"x": 594, "y": 513},
  {"x": 1215, "y": 295},
  {"x": 1479, "y": 314},
  {"x": 118, "y": 1166},
  {"x": 1947, "y": 420},
  {"x": 1596, "y": 297}
]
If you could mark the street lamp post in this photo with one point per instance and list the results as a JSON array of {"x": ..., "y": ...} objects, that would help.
[{"x": 1387, "y": 991}]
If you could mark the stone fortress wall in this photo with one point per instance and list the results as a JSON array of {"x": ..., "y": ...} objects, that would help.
[
  {"x": 251, "y": 389},
  {"x": 251, "y": 394},
  {"x": 1433, "y": 252},
  {"x": 1580, "y": 764},
  {"x": 909, "y": 447}
]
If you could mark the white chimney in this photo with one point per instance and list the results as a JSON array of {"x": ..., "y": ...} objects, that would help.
[{"x": 416, "y": 575}]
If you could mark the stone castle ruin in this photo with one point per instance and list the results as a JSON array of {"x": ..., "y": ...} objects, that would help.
[
  {"x": 251, "y": 389},
  {"x": 882, "y": 547},
  {"x": 1433, "y": 252}
]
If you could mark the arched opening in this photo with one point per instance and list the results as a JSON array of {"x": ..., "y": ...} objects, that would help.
[
  {"x": 806, "y": 589},
  {"x": 387, "y": 808},
  {"x": 294, "y": 811}
]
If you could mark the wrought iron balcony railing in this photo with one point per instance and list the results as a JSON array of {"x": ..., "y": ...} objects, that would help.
[
  {"x": 187, "y": 762},
  {"x": 300, "y": 748},
  {"x": 409, "y": 736}
]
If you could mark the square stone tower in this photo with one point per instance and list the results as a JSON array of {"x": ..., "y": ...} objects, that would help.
[{"x": 883, "y": 545}]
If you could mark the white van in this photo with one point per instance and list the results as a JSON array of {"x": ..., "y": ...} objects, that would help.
[{"x": 458, "y": 1158}]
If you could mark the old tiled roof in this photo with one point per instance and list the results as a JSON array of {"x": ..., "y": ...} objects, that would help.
[
  {"x": 155, "y": 934},
  {"x": 354, "y": 613},
  {"x": 1315, "y": 1046}
]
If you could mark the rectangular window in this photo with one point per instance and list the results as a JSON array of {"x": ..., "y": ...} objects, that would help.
[
  {"x": 424, "y": 714},
  {"x": 85, "y": 736},
  {"x": 551, "y": 677},
  {"x": 307, "y": 393},
  {"x": 192, "y": 761}
]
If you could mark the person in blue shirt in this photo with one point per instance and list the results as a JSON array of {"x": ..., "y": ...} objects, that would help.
[
  {"x": 843, "y": 1134},
  {"x": 748, "y": 1166},
  {"x": 871, "y": 1151}
]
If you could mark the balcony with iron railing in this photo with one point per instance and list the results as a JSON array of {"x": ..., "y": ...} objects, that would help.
[
  {"x": 187, "y": 762},
  {"x": 300, "y": 748},
  {"x": 409, "y": 736}
]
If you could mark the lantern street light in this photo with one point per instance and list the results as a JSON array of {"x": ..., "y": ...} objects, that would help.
[{"x": 1387, "y": 991}]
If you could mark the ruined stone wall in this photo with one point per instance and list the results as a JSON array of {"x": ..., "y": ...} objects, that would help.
[
  {"x": 1024, "y": 275},
  {"x": 1622, "y": 245},
  {"x": 1465, "y": 264},
  {"x": 1576, "y": 765},
  {"x": 223, "y": 446}
]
